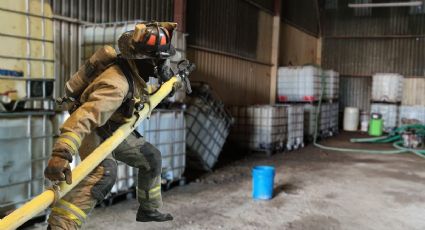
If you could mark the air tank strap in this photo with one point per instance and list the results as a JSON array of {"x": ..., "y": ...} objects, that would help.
[
  {"x": 127, "y": 108},
  {"x": 131, "y": 103}
]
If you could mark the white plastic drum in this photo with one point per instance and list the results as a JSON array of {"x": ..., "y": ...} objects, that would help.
[{"x": 351, "y": 119}]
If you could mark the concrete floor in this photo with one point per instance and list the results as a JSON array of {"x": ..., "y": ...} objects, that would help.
[{"x": 314, "y": 189}]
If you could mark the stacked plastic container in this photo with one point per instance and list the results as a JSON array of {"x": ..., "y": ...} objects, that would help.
[
  {"x": 328, "y": 119},
  {"x": 166, "y": 130},
  {"x": 332, "y": 85},
  {"x": 27, "y": 77},
  {"x": 310, "y": 118},
  {"x": 389, "y": 114},
  {"x": 387, "y": 87},
  {"x": 299, "y": 83},
  {"x": 208, "y": 125},
  {"x": 261, "y": 127},
  {"x": 387, "y": 93},
  {"x": 305, "y": 83},
  {"x": 334, "y": 118},
  {"x": 23, "y": 158},
  {"x": 27, "y": 54},
  {"x": 295, "y": 133}
]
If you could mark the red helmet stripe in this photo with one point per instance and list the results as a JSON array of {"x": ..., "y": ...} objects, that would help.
[
  {"x": 152, "y": 40},
  {"x": 163, "y": 40}
]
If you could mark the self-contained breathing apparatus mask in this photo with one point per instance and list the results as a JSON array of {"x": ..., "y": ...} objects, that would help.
[{"x": 157, "y": 68}]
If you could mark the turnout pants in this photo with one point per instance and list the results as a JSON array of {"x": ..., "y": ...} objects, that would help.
[{"x": 71, "y": 211}]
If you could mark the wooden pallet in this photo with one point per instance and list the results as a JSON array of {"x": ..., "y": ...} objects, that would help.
[{"x": 294, "y": 147}]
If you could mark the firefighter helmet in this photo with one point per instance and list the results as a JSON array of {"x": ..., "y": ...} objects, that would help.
[{"x": 148, "y": 41}]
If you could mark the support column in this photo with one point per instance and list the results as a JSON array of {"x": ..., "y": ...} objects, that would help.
[
  {"x": 319, "y": 52},
  {"x": 275, "y": 52},
  {"x": 180, "y": 14}
]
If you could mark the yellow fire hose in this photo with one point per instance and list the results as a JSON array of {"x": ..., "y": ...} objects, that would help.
[{"x": 44, "y": 200}]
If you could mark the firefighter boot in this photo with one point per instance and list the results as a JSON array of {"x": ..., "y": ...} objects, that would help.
[{"x": 152, "y": 215}]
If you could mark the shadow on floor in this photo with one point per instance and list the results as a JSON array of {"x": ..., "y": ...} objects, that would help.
[{"x": 288, "y": 188}]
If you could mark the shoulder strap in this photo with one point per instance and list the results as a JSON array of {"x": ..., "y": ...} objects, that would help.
[
  {"x": 125, "y": 68},
  {"x": 127, "y": 107}
]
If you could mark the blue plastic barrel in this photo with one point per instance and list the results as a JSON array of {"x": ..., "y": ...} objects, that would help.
[{"x": 262, "y": 182}]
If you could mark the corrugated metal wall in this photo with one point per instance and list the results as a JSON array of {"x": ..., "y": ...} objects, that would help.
[
  {"x": 414, "y": 91},
  {"x": 364, "y": 57},
  {"x": 230, "y": 42},
  {"x": 236, "y": 81},
  {"x": 355, "y": 92},
  {"x": 366, "y": 41},
  {"x": 339, "y": 20},
  {"x": 296, "y": 47},
  {"x": 99, "y": 11},
  {"x": 224, "y": 25},
  {"x": 70, "y": 14},
  {"x": 264, "y": 48},
  {"x": 302, "y": 14}
]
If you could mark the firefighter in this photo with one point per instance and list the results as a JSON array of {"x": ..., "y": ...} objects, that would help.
[{"x": 108, "y": 97}]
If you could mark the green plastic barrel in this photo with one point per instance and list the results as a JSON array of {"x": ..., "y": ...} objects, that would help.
[{"x": 376, "y": 125}]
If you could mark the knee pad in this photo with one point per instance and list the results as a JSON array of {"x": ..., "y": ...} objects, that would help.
[
  {"x": 105, "y": 184},
  {"x": 153, "y": 157}
]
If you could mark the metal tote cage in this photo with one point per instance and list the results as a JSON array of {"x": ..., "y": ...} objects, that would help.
[{"x": 26, "y": 88}]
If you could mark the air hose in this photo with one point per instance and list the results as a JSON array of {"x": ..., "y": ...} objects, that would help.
[
  {"x": 383, "y": 139},
  {"x": 392, "y": 137}
]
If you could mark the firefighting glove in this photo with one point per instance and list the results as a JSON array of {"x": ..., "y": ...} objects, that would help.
[{"x": 58, "y": 168}]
